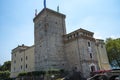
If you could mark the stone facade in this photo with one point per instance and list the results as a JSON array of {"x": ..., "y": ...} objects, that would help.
[
  {"x": 49, "y": 29},
  {"x": 54, "y": 49},
  {"x": 102, "y": 55},
  {"x": 81, "y": 52},
  {"x": 22, "y": 60}
]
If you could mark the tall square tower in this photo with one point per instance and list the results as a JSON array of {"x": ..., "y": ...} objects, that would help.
[{"x": 49, "y": 28}]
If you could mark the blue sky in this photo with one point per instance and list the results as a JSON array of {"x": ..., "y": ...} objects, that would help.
[{"x": 16, "y": 20}]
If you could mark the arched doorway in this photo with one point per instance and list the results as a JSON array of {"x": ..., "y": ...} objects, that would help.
[{"x": 92, "y": 67}]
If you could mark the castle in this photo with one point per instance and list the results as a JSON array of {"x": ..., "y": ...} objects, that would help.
[{"x": 55, "y": 49}]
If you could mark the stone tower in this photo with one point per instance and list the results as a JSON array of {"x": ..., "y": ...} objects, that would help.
[
  {"x": 49, "y": 28},
  {"x": 80, "y": 51},
  {"x": 102, "y": 55}
]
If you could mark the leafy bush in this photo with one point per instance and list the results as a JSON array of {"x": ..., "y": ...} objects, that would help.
[
  {"x": 22, "y": 74},
  {"x": 34, "y": 73},
  {"x": 4, "y": 74}
]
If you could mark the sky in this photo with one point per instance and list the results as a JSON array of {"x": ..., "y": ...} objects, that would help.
[{"x": 16, "y": 20}]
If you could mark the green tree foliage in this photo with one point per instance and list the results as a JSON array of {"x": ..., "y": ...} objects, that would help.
[
  {"x": 5, "y": 70},
  {"x": 34, "y": 73},
  {"x": 6, "y": 66},
  {"x": 113, "y": 50},
  {"x": 4, "y": 74}
]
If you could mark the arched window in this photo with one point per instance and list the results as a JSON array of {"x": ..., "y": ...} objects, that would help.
[
  {"x": 26, "y": 66},
  {"x": 21, "y": 67},
  {"x": 92, "y": 67},
  {"x": 90, "y": 55},
  {"x": 88, "y": 44}
]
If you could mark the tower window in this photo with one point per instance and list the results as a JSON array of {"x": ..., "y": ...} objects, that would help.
[
  {"x": 26, "y": 57},
  {"x": 21, "y": 66},
  {"x": 90, "y": 55},
  {"x": 92, "y": 68},
  {"x": 26, "y": 65},
  {"x": 89, "y": 44},
  {"x": 21, "y": 59}
]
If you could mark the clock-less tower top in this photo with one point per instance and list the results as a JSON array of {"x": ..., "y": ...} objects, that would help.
[{"x": 49, "y": 28}]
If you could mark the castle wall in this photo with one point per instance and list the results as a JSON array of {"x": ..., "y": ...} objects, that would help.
[
  {"x": 54, "y": 49},
  {"x": 49, "y": 46},
  {"x": 22, "y": 60},
  {"x": 78, "y": 54},
  {"x": 102, "y": 55}
]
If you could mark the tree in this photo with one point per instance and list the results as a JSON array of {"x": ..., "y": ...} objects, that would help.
[
  {"x": 113, "y": 51},
  {"x": 5, "y": 70},
  {"x": 4, "y": 74},
  {"x": 6, "y": 66}
]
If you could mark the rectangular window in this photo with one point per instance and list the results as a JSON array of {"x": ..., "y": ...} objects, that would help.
[
  {"x": 90, "y": 55},
  {"x": 26, "y": 66},
  {"x": 26, "y": 57},
  {"x": 21, "y": 66},
  {"x": 89, "y": 44},
  {"x": 21, "y": 59}
]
